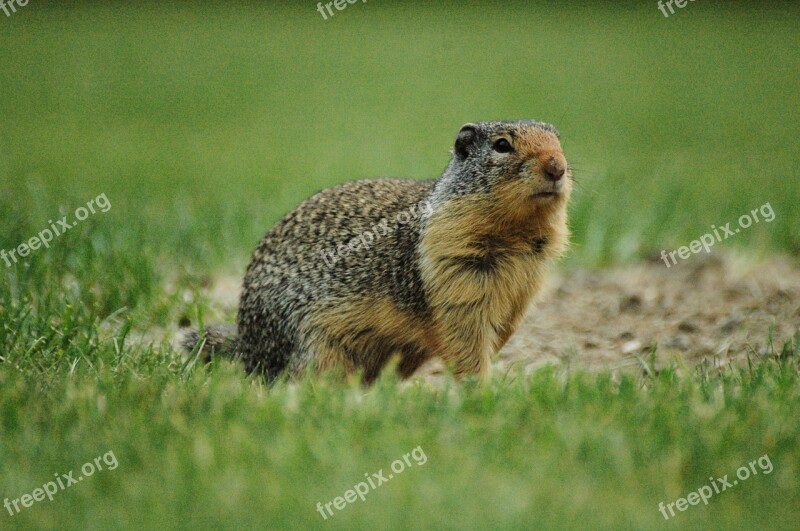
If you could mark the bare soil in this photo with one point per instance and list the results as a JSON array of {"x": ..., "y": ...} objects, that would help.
[{"x": 715, "y": 308}]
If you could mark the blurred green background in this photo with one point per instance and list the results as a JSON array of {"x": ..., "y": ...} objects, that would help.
[{"x": 204, "y": 123}]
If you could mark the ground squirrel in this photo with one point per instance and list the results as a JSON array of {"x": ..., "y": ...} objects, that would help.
[{"x": 454, "y": 281}]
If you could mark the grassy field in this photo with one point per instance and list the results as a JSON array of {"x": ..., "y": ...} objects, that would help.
[{"x": 204, "y": 123}]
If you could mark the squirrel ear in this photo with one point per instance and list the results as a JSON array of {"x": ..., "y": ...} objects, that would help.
[{"x": 467, "y": 140}]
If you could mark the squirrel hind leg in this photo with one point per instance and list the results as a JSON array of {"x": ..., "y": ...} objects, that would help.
[
  {"x": 327, "y": 356},
  {"x": 322, "y": 356}
]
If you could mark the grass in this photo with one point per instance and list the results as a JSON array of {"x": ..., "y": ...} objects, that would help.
[
  {"x": 205, "y": 448},
  {"x": 204, "y": 123}
]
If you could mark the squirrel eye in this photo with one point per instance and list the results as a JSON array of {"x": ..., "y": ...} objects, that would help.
[{"x": 501, "y": 145}]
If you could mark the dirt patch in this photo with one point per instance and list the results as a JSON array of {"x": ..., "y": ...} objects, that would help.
[{"x": 718, "y": 308}]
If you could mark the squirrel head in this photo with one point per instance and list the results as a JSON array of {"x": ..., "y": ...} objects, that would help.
[{"x": 517, "y": 166}]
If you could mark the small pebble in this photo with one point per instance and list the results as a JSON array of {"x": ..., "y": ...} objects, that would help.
[{"x": 631, "y": 346}]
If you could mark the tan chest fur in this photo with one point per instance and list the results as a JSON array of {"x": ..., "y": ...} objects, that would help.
[{"x": 481, "y": 270}]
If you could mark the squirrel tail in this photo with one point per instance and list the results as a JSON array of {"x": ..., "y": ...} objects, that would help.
[{"x": 214, "y": 340}]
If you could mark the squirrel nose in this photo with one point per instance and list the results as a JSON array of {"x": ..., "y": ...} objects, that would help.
[{"x": 554, "y": 169}]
